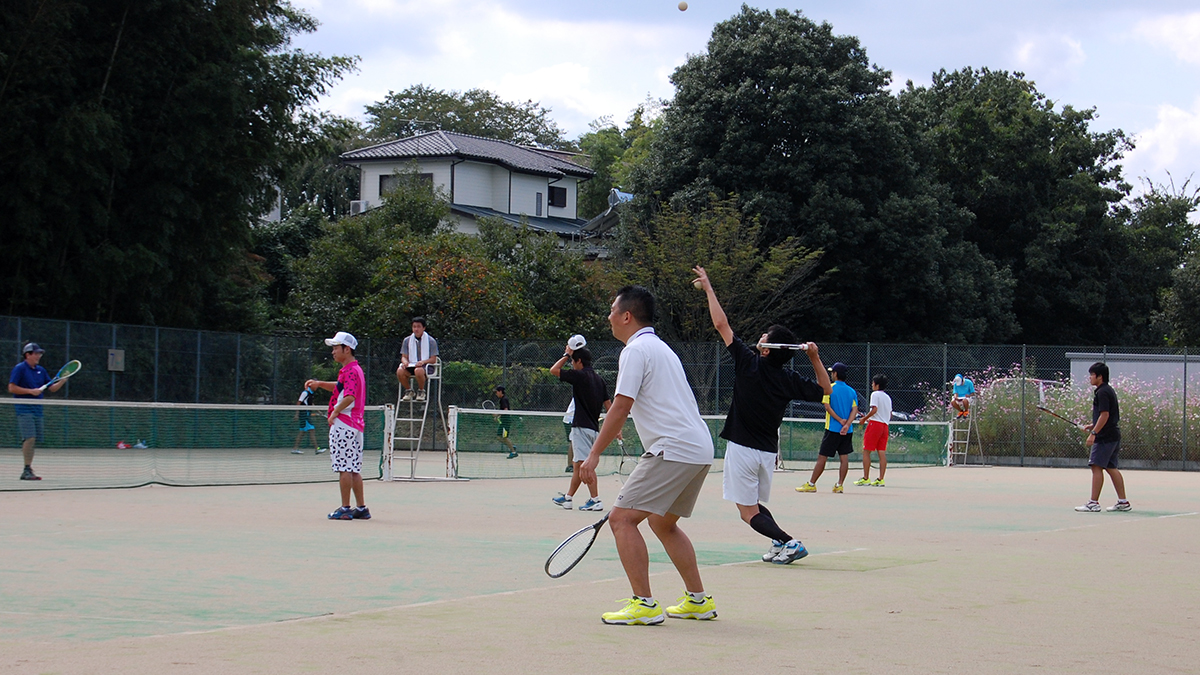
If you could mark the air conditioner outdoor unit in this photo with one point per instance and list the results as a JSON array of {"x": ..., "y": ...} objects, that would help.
[{"x": 358, "y": 206}]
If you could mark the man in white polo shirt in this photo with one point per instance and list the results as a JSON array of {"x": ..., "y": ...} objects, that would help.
[{"x": 679, "y": 451}]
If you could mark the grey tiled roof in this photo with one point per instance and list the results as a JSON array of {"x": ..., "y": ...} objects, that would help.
[
  {"x": 463, "y": 146},
  {"x": 563, "y": 226}
]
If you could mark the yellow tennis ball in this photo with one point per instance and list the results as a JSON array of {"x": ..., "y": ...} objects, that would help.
[{"x": 683, "y": 6}]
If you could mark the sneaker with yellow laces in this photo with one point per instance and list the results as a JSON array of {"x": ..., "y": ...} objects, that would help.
[
  {"x": 689, "y": 608},
  {"x": 878, "y": 482},
  {"x": 863, "y": 481},
  {"x": 837, "y": 489},
  {"x": 637, "y": 612},
  {"x": 807, "y": 487}
]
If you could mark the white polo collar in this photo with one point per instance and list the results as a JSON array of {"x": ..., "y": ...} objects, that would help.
[{"x": 648, "y": 330}]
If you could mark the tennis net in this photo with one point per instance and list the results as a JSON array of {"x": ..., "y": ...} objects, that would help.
[
  {"x": 101, "y": 444},
  {"x": 540, "y": 439}
]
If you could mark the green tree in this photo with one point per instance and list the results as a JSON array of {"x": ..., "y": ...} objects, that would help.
[
  {"x": 757, "y": 285},
  {"x": 559, "y": 284},
  {"x": 342, "y": 271},
  {"x": 1042, "y": 188},
  {"x": 140, "y": 140},
  {"x": 479, "y": 112},
  {"x": 797, "y": 123},
  {"x": 613, "y": 154},
  {"x": 319, "y": 178}
]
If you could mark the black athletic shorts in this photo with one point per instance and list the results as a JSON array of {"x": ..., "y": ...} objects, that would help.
[{"x": 834, "y": 444}]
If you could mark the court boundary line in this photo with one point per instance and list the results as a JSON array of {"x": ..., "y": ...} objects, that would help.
[
  {"x": 444, "y": 601},
  {"x": 1122, "y": 521}
]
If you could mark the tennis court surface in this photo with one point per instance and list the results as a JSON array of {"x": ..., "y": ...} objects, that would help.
[{"x": 982, "y": 570}]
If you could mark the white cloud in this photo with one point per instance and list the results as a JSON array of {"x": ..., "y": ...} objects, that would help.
[
  {"x": 1049, "y": 59},
  {"x": 1171, "y": 145},
  {"x": 1180, "y": 34},
  {"x": 582, "y": 69}
]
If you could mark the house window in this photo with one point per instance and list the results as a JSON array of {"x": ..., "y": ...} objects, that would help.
[
  {"x": 558, "y": 197},
  {"x": 537, "y": 205},
  {"x": 389, "y": 183}
]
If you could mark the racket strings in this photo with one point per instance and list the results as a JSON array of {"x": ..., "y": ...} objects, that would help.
[{"x": 570, "y": 552}]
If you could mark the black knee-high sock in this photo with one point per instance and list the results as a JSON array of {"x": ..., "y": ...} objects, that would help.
[{"x": 765, "y": 525}]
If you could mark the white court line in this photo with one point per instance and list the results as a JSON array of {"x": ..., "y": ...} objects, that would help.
[
  {"x": 1113, "y": 522},
  {"x": 445, "y": 601}
]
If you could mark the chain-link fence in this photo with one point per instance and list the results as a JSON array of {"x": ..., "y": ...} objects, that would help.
[{"x": 1158, "y": 388}]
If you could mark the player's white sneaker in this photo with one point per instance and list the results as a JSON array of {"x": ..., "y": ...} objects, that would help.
[
  {"x": 1120, "y": 506},
  {"x": 1090, "y": 507},
  {"x": 776, "y": 548},
  {"x": 793, "y": 550}
]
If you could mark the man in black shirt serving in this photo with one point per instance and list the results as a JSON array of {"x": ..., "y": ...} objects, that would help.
[
  {"x": 762, "y": 390},
  {"x": 1104, "y": 437},
  {"x": 590, "y": 395}
]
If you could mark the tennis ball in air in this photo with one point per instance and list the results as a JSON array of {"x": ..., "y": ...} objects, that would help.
[
  {"x": 683, "y": 8},
  {"x": 697, "y": 283}
]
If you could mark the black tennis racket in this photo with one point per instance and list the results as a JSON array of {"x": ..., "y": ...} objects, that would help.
[
  {"x": 69, "y": 369},
  {"x": 1051, "y": 412},
  {"x": 570, "y": 552}
]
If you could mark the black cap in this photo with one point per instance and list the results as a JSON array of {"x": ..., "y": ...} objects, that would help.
[
  {"x": 32, "y": 347},
  {"x": 839, "y": 368}
]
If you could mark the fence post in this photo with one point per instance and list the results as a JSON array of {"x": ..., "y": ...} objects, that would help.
[
  {"x": 945, "y": 377},
  {"x": 1183, "y": 457},
  {"x": 20, "y": 344},
  {"x": 869, "y": 371},
  {"x": 717, "y": 389},
  {"x": 274, "y": 367},
  {"x": 67, "y": 387},
  {"x": 1023, "y": 362},
  {"x": 112, "y": 376},
  {"x": 198, "y": 347},
  {"x": 237, "y": 372},
  {"x": 367, "y": 370},
  {"x": 156, "y": 364},
  {"x": 504, "y": 363}
]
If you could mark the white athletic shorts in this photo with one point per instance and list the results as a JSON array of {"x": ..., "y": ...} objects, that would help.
[
  {"x": 581, "y": 442},
  {"x": 345, "y": 448},
  {"x": 746, "y": 479}
]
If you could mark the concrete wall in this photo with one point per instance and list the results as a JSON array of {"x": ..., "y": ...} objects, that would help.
[
  {"x": 568, "y": 211},
  {"x": 473, "y": 185},
  {"x": 371, "y": 172}
]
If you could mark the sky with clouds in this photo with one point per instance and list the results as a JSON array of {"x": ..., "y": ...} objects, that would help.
[{"x": 1137, "y": 63}]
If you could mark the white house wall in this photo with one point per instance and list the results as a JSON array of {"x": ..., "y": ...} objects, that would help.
[
  {"x": 568, "y": 211},
  {"x": 473, "y": 185},
  {"x": 524, "y": 187},
  {"x": 500, "y": 181},
  {"x": 368, "y": 188}
]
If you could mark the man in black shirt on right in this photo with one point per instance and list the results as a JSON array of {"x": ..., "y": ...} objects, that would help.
[
  {"x": 762, "y": 390},
  {"x": 1104, "y": 437}
]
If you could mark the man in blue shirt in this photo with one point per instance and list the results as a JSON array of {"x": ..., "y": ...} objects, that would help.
[
  {"x": 25, "y": 382},
  {"x": 964, "y": 389},
  {"x": 841, "y": 408}
]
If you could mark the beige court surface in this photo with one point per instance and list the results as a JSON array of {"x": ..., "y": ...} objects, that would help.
[{"x": 971, "y": 570}]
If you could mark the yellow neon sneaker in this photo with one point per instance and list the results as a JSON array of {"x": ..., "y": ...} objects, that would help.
[
  {"x": 863, "y": 481},
  {"x": 635, "y": 613},
  {"x": 878, "y": 482},
  {"x": 690, "y": 609},
  {"x": 837, "y": 489},
  {"x": 807, "y": 487}
]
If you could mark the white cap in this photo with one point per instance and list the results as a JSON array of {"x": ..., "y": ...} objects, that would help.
[
  {"x": 577, "y": 342},
  {"x": 958, "y": 380},
  {"x": 342, "y": 338}
]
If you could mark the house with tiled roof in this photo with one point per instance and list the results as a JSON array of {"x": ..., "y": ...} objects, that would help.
[{"x": 483, "y": 177}]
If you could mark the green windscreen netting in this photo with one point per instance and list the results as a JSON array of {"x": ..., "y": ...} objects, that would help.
[
  {"x": 92, "y": 444},
  {"x": 540, "y": 439}
]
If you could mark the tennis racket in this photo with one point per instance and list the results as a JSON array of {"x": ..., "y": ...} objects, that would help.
[
  {"x": 570, "y": 552},
  {"x": 69, "y": 369},
  {"x": 1051, "y": 412},
  {"x": 782, "y": 345},
  {"x": 488, "y": 405}
]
